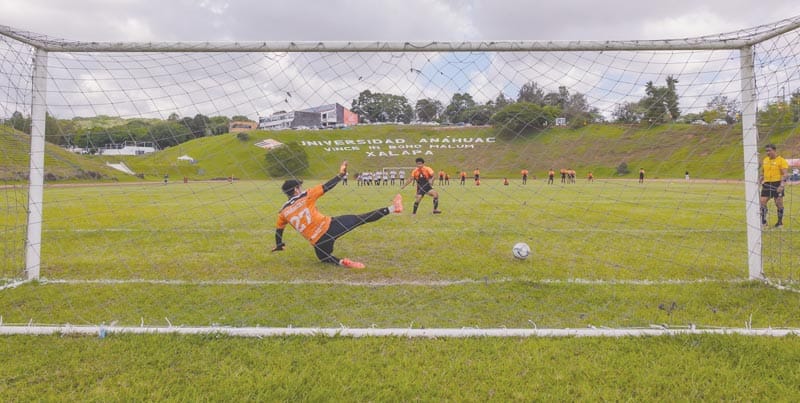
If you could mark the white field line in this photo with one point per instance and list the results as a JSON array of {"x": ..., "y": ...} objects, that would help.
[
  {"x": 390, "y": 282},
  {"x": 12, "y": 284},
  {"x": 103, "y": 331},
  {"x": 270, "y": 230}
]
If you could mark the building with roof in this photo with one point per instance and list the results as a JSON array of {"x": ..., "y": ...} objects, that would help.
[
  {"x": 241, "y": 126},
  {"x": 319, "y": 117}
]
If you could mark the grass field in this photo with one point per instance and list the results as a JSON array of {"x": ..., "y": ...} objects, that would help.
[{"x": 613, "y": 253}]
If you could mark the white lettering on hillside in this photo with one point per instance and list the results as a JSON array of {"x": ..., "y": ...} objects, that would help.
[{"x": 400, "y": 147}]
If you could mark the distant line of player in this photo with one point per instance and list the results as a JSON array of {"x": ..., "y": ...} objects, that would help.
[{"x": 397, "y": 178}]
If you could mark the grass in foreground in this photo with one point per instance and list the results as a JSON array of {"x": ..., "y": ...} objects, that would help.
[{"x": 215, "y": 368}]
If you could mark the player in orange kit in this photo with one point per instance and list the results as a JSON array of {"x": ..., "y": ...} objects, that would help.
[
  {"x": 423, "y": 175},
  {"x": 320, "y": 230}
]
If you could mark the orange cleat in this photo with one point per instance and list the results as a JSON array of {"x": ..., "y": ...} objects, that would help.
[{"x": 351, "y": 264}]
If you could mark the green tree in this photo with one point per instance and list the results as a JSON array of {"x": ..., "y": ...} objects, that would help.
[
  {"x": 59, "y": 132},
  {"x": 660, "y": 104},
  {"x": 377, "y": 107},
  {"x": 478, "y": 115},
  {"x": 531, "y": 93},
  {"x": 721, "y": 107},
  {"x": 19, "y": 122},
  {"x": 558, "y": 99},
  {"x": 523, "y": 118},
  {"x": 219, "y": 124},
  {"x": 457, "y": 109},
  {"x": 501, "y": 101},
  {"x": 287, "y": 160},
  {"x": 168, "y": 134},
  {"x": 428, "y": 110}
]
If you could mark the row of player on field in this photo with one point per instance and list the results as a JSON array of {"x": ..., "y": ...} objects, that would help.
[{"x": 393, "y": 177}]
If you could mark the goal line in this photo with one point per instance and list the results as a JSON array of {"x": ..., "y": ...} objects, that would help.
[
  {"x": 653, "y": 330},
  {"x": 385, "y": 282}
]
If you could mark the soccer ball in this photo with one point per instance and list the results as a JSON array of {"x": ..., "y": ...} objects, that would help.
[{"x": 521, "y": 250}]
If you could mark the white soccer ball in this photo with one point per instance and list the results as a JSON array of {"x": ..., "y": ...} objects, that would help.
[{"x": 521, "y": 250}]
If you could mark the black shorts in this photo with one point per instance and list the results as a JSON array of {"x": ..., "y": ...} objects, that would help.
[
  {"x": 424, "y": 189},
  {"x": 770, "y": 190}
]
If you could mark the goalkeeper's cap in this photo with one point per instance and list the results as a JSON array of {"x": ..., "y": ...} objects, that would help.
[{"x": 289, "y": 185}]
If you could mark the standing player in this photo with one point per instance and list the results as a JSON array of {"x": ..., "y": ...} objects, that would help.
[
  {"x": 477, "y": 174},
  {"x": 424, "y": 177},
  {"x": 524, "y": 176},
  {"x": 320, "y": 230},
  {"x": 550, "y": 175},
  {"x": 774, "y": 173},
  {"x": 641, "y": 175},
  {"x": 463, "y": 176}
]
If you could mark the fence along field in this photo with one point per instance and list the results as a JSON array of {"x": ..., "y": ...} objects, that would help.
[{"x": 663, "y": 241}]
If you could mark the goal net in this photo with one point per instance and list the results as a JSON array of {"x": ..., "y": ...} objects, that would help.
[{"x": 142, "y": 168}]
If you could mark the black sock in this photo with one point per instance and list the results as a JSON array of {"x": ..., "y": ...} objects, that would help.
[
  {"x": 416, "y": 204},
  {"x": 435, "y": 203},
  {"x": 764, "y": 214},
  {"x": 780, "y": 215}
]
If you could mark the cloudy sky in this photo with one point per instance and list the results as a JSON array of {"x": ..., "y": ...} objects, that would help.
[
  {"x": 260, "y": 84},
  {"x": 388, "y": 20}
]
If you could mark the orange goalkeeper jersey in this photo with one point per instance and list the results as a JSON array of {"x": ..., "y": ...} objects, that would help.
[{"x": 301, "y": 213}]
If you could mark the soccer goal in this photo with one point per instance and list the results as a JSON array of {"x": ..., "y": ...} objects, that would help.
[{"x": 654, "y": 146}]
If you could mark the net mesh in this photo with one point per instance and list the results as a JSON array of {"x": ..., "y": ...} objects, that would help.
[{"x": 672, "y": 114}]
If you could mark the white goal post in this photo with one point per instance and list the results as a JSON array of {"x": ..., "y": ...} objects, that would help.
[{"x": 744, "y": 42}]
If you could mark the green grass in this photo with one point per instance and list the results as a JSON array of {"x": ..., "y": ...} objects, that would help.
[
  {"x": 600, "y": 233},
  {"x": 214, "y": 368}
]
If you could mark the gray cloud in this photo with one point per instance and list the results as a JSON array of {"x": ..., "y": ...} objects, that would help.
[
  {"x": 395, "y": 20},
  {"x": 259, "y": 83}
]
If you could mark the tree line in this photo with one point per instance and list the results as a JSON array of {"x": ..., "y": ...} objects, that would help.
[
  {"x": 163, "y": 133},
  {"x": 533, "y": 110}
]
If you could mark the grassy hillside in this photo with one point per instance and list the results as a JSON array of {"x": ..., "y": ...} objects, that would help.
[
  {"x": 668, "y": 151},
  {"x": 59, "y": 164},
  {"x": 664, "y": 152}
]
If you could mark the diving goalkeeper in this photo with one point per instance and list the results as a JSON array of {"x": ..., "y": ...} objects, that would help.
[{"x": 300, "y": 211}]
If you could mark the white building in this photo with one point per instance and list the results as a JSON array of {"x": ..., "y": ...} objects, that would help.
[
  {"x": 277, "y": 121},
  {"x": 128, "y": 148}
]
